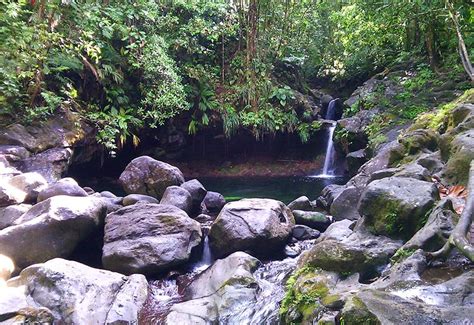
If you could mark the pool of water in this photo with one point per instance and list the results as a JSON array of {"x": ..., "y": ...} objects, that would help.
[{"x": 285, "y": 189}]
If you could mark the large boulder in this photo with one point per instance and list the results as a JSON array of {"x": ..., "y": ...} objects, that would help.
[
  {"x": 10, "y": 214},
  {"x": 30, "y": 183},
  {"x": 197, "y": 191},
  {"x": 148, "y": 238},
  {"x": 344, "y": 250},
  {"x": 461, "y": 153},
  {"x": 178, "y": 197},
  {"x": 301, "y": 203},
  {"x": 397, "y": 206},
  {"x": 214, "y": 201},
  {"x": 52, "y": 164},
  {"x": 216, "y": 294},
  {"x": 145, "y": 175},
  {"x": 77, "y": 294},
  {"x": 52, "y": 228},
  {"x": 65, "y": 186},
  {"x": 258, "y": 225}
]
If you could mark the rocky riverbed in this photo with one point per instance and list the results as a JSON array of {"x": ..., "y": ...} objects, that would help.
[{"x": 171, "y": 252}]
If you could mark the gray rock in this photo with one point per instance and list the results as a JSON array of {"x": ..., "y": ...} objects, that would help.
[
  {"x": 9, "y": 194},
  {"x": 108, "y": 194},
  {"x": 13, "y": 153},
  {"x": 357, "y": 251},
  {"x": 302, "y": 232},
  {"x": 135, "y": 198},
  {"x": 436, "y": 230},
  {"x": 396, "y": 206},
  {"x": 355, "y": 160},
  {"x": 10, "y": 214},
  {"x": 315, "y": 220},
  {"x": 301, "y": 203},
  {"x": 258, "y": 225},
  {"x": 461, "y": 154},
  {"x": 78, "y": 294},
  {"x": 30, "y": 183},
  {"x": 344, "y": 204},
  {"x": 65, "y": 186},
  {"x": 214, "y": 201},
  {"x": 148, "y": 238},
  {"x": 52, "y": 228},
  {"x": 217, "y": 292},
  {"x": 145, "y": 175},
  {"x": 197, "y": 191},
  {"x": 52, "y": 164},
  {"x": 178, "y": 197}
]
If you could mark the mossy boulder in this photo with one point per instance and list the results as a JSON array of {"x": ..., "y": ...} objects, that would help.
[
  {"x": 356, "y": 312},
  {"x": 313, "y": 219},
  {"x": 461, "y": 153},
  {"x": 397, "y": 206}
]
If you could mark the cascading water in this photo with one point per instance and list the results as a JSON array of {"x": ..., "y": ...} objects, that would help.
[{"x": 328, "y": 168}]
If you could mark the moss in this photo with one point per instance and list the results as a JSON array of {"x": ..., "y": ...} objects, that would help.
[
  {"x": 303, "y": 296},
  {"x": 402, "y": 254},
  {"x": 435, "y": 120},
  {"x": 356, "y": 312},
  {"x": 332, "y": 301}
]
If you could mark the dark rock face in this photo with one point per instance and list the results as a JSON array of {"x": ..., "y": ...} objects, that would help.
[
  {"x": 178, "y": 197},
  {"x": 396, "y": 206},
  {"x": 214, "y": 201},
  {"x": 197, "y": 191},
  {"x": 260, "y": 225},
  {"x": 148, "y": 238},
  {"x": 302, "y": 232},
  {"x": 145, "y": 175},
  {"x": 52, "y": 228}
]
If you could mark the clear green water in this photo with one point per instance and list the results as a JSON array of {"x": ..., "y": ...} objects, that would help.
[{"x": 285, "y": 189}]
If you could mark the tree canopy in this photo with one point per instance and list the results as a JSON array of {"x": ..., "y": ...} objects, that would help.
[{"x": 129, "y": 65}]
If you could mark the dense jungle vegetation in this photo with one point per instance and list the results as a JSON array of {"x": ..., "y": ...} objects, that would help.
[{"x": 132, "y": 65}]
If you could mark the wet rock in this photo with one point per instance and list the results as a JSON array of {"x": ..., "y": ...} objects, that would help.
[
  {"x": 355, "y": 160},
  {"x": 436, "y": 230},
  {"x": 65, "y": 186},
  {"x": 145, "y": 175},
  {"x": 302, "y": 232},
  {"x": 178, "y": 197},
  {"x": 258, "y": 225},
  {"x": 148, "y": 238},
  {"x": 450, "y": 302},
  {"x": 396, "y": 206},
  {"x": 135, "y": 198},
  {"x": 52, "y": 228},
  {"x": 356, "y": 251},
  {"x": 301, "y": 203},
  {"x": 10, "y": 214},
  {"x": 216, "y": 292},
  {"x": 315, "y": 220},
  {"x": 214, "y": 201},
  {"x": 78, "y": 294},
  {"x": 197, "y": 191},
  {"x": 344, "y": 205}
]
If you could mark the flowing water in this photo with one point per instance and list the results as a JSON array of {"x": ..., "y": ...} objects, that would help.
[{"x": 328, "y": 170}]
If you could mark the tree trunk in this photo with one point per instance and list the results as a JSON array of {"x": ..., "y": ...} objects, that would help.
[
  {"x": 461, "y": 45},
  {"x": 459, "y": 236}
]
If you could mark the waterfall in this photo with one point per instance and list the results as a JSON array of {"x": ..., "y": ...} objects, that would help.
[
  {"x": 328, "y": 169},
  {"x": 206, "y": 257},
  {"x": 329, "y": 159}
]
